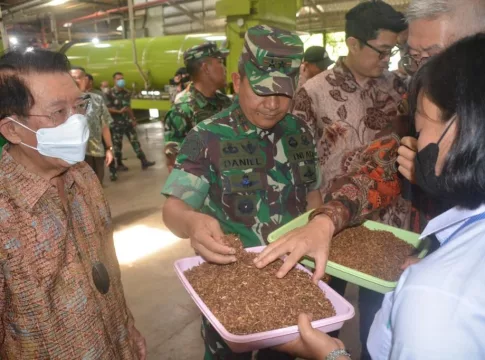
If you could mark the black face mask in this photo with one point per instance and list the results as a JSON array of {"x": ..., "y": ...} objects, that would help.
[{"x": 425, "y": 164}]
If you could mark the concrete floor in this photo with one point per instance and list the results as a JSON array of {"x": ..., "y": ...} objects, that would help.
[{"x": 164, "y": 312}]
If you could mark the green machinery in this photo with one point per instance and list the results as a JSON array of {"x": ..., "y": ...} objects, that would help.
[{"x": 160, "y": 57}]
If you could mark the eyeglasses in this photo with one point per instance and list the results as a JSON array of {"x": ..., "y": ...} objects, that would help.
[
  {"x": 382, "y": 53},
  {"x": 59, "y": 116},
  {"x": 411, "y": 65}
]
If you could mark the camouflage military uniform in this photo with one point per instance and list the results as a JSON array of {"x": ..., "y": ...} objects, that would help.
[
  {"x": 251, "y": 180},
  {"x": 192, "y": 107},
  {"x": 122, "y": 124}
]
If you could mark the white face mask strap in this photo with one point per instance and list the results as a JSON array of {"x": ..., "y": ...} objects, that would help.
[{"x": 25, "y": 127}]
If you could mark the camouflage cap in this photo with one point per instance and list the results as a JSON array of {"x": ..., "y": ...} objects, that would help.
[
  {"x": 271, "y": 58},
  {"x": 208, "y": 49}
]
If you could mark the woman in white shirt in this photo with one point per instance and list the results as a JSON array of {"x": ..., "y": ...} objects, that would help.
[{"x": 438, "y": 308}]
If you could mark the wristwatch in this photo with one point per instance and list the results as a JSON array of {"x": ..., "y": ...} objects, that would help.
[
  {"x": 334, "y": 355},
  {"x": 109, "y": 148}
]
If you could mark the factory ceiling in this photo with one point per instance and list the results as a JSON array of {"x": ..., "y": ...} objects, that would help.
[{"x": 81, "y": 20}]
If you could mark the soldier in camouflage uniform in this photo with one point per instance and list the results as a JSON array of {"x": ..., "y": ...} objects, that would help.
[
  {"x": 249, "y": 169},
  {"x": 202, "y": 99},
  {"x": 124, "y": 122}
]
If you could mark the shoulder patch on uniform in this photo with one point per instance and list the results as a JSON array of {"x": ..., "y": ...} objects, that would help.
[{"x": 192, "y": 146}]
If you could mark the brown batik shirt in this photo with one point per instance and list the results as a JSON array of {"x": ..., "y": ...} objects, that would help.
[
  {"x": 357, "y": 148},
  {"x": 49, "y": 305}
]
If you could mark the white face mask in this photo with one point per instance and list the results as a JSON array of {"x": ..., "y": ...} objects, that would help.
[
  {"x": 105, "y": 90},
  {"x": 67, "y": 141}
]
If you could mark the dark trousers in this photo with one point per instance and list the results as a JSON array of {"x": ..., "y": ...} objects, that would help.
[
  {"x": 217, "y": 349},
  {"x": 369, "y": 304},
  {"x": 97, "y": 164}
]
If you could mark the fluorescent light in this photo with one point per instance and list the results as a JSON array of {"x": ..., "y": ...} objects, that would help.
[
  {"x": 67, "y": 25},
  {"x": 57, "y": 2},
  {"x": 95, "y": 41},
  {"x": 197, "y": 35},
  {"x": 154, "y": 113},
  {"x": 119, "y": 28},
  {"x": 13, "y": 40},
  {"x": 216, "y": 38}
]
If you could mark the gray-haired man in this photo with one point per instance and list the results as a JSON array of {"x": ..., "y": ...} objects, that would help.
[{"x": 433, "y": 26}]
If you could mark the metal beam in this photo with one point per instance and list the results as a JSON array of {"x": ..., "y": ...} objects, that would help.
[
  {"x": 17, "y": 8},
  {"x": 314, "y": 6},
  {"x": 3, "y": 32},
  {"x": 98, "y": 3},
  {"x": 186, "y": 12},
  {"x": 131, "y": 15}
]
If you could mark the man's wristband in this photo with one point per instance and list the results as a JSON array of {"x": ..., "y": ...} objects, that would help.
[{"x": 334, "y": 355}]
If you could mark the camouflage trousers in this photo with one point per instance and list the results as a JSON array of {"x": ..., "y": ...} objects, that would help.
[
  {"x": 118, "y": 130},
  {"x": 217, "y": 349}
]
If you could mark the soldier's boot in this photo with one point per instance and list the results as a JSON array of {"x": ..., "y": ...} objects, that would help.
[
  {"x": 121, "y": 166},
  {"x": 145, "y": 164},
  {"x": 113, "y": 176}
]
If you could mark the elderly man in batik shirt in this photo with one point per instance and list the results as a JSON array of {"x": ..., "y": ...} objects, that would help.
[{"x": 61, "y": 295}]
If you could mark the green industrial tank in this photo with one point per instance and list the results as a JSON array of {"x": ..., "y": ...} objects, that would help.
[{"x": 158, "y": 57}]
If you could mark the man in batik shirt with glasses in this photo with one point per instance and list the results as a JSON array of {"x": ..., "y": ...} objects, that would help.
[
  {"x": 352, "y": 110},
  {"x": 61, "y": 295}
]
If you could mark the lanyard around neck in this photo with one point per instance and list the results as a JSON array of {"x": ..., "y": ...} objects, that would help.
[{"x": 467, "y": 223}]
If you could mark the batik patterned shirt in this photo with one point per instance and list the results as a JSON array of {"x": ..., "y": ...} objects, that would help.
[
  {"x": 49, "y": 305},
  {"x": 357, "y": 148},
  {"x": 98, "y": 117}
]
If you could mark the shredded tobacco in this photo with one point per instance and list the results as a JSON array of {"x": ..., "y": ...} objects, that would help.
[
  {"x": 248, "y": 300},
  {"x": 377, "y": 253}
]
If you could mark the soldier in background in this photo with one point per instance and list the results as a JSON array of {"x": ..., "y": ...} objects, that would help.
[
  {"x": 99, "y": 120},
  {"x": 249, "y": 169},
  {"x": 203, "y": 99},
  {"x": 90, "y": 86},
  {"x": 104, "y": 87},
  {"x": 119, "y": 105},
  {"x": 315, "y": 60}
]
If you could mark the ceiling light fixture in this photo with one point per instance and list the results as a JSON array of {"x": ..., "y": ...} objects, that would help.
[{"x": 57, "y": 2}]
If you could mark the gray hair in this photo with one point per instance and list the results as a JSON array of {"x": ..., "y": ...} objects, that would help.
[
  {"x": 428, "y": 9},
  {"x": 468, "y": 15}
]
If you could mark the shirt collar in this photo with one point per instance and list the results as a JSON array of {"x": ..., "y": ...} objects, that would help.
[
  {"x": 444, "y": 225},
  {"x": 24, "y": 187},
  {"x": 345, "y": 72},
  {"x": 199, "y": 97},
  {"x": 244, "y": 125}
]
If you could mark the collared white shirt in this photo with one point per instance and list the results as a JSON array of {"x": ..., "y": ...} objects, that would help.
[{"x": 438, "y": 308}]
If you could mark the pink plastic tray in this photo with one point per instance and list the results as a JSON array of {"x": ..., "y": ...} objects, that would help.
[{"x": 244, "y": 343}]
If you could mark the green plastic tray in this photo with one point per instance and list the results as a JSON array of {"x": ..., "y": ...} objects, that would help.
[{"x": 348, "y": 274}]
